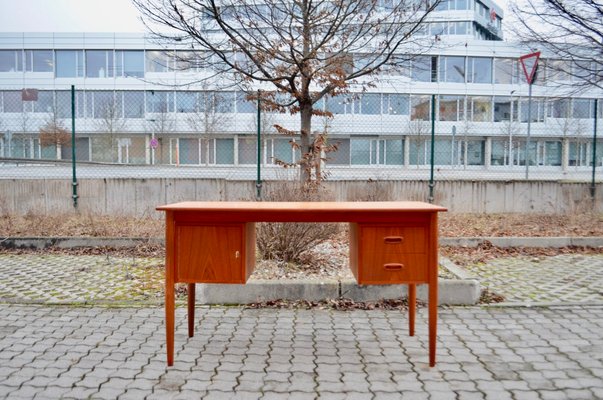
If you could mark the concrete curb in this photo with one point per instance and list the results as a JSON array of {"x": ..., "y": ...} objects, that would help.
[
  {"x": 450, "y": 291},
  {"x": 75, "y": 242}
]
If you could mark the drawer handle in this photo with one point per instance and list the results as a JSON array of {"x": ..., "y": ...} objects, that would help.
[
  {"x": 237, "y": 254},
  {"x": 393, "y": 267},
  {"x": 393, "y": 239}
]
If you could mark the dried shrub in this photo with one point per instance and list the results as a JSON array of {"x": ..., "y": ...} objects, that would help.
[
  {"x": 53, "y": 134},
  {"x": 288, "y": 241}
]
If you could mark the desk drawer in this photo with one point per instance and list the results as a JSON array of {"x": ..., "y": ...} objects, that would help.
[
  {"x": 393, "y": 239},
  {"x": 213, "y": 253},
  {"x": 381, "y": 268}
]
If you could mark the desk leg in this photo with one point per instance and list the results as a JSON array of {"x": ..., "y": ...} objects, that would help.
[
  {"x": 433, "y": 321},
  {"x": 169, "y": 322},
  {"x": 191, "y": 309},
  {"x": 412, "y": 308}
]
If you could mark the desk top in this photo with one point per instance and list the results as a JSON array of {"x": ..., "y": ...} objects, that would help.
[
  {"x": 318, "y": 206},
  {"x": 247, "y": 211}
]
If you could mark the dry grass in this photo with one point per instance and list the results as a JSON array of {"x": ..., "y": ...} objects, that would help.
[{"x": 451, "y": 225}]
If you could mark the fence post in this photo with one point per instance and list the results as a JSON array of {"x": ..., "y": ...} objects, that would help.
[
  {"x": 431, "y": 183},
  {"x": 74, "y": 181},
  {"x": 593, "y": 186},
  {"x": 258, "y": 183}
]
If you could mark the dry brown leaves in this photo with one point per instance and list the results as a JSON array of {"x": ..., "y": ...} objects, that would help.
[
  {"x": 341, "y": 304},
  {"x": 486, "y": 251}
]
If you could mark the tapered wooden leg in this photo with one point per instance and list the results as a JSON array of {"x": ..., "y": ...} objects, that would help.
[
  {"x": 412, "y": 308},
  {"x": 433, "y": 321},
  {"x": 169, "y": 322},
  {"x": 191, "y": 309}
]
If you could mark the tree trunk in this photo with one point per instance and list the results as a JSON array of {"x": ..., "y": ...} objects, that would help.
[{"x": 307, "y": 152}]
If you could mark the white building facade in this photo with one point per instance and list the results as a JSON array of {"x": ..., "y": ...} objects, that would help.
[{"x": 133, "y": 106}]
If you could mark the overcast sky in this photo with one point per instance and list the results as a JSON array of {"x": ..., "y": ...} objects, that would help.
[
  {"x": 69, "y": 16},
  {"x": 74, "y": 16}
]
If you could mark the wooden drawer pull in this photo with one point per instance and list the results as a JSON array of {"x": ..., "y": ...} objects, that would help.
[
  {"x": 393, "y": 239},
  {"x": 393, "y": 267}
]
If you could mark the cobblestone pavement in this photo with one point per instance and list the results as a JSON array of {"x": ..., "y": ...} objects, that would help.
[
  {"x": 58, "y": 278},
  {"x": 562, "y": 278},
  {"x": 483, "y": 353}
]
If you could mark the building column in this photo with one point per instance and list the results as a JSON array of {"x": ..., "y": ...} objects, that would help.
[
  {"x": 565, "y": 150},
  {"x": 488, "y": 152}
]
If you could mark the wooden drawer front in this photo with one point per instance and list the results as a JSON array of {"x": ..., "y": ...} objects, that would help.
[
  {"x": 394, "y": 239},
  {"x": 210, "y": 253},
  {"x": 381, "y": 268}
]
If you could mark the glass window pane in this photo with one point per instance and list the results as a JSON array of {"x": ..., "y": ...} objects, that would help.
[
  {"x": 41, "y": 60},
  {"x": 186, "y": 102},
  {"x": 371, "y": 103},
  {"x": 395, "y": 104},
  {"x": 342, "y": 155},
  {"x": 134, "y": 104},
  {"x": 157, "y": 61},
  {"x": 160, "y": 101},
  {"x": 96, "y": 63},
  {"x": 8, "y": 61},
  {"x": 394, "y": 151},
  {"x": 336, "y": 104},
  {"x": 222, "y": 102},
  {"x": 224, "y": 151},
  {"x": 417, "y": 152},
  {"x": 420, "y": 108},
  {"x": 422, "y": 69},
  {"x": 63, "y": 104},
  {"x": 582, "y": 108},
  {"x": 452, "y": 108},
  {"x": 502, "y": 109},
  {"x": 504, "y": 70},
  {"x": 360, "y": 151},
  {"x": 66, "y": 64},
  {"x": 553, "y": 153},
  {"x": 481, "y": 108},
  {"x": 133, "y": 63},
  {"x": 452, "y": 69},
  {"x": 248, "y": 150},
  {"x": 282, "y": 150},
  {"x": 13, "y": 102},
  {"x": 245, "y": 106},
  {"x": 480, "y": 69},
  {"x": 188, "y": 151},
  {"x": 475, "y": 152},
  {"x": 44, "y": 103}
]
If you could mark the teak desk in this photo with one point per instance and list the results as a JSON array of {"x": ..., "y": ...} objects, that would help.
[{"x": 214, "y": 242}]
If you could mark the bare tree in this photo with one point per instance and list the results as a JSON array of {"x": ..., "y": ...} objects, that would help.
[
  {"x": 111, "y": 122},
  {"x": 54, "y": 133},
  {"x": 301, "y": 48},
  {"x": 569, "y": 29}
]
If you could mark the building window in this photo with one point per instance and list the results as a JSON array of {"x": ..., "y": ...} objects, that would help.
[
  {"x": 189, "y": 151},
  {"x": 11, "y": 60},
  {"x": 186, "y": 102},
  {"x": 45, "y": 102},
  {"x": 505, "y": 109},
  {"x": 360, "y": 151},
  {"x": 420, "y": 108},
  {"x": 452, "y": 69},
  {"x": 224, "y": 151},
  {"x": 245, "y": 106},
  {"x": 159, "y": 61},
  {"x": 281, "y": 151},
  {"x": 69, "y": 63},
  {"x": 99, "y": 63},
  {"x": 160, "y": 101},
  {"x": 480, "y": 108},
  {"x": 370, "y": 104},
  {"x": 472, "y": 152},
  {"x": 248, "y": 151},
  {"x": 104, "y": 105},
  {"x": 479, "y": 69},
  {"x": 583, "y": 108},
  {"x": 12, "y": 102},
  {"x": 452, "y": 108},
  {"x": 537, "y": 112},
  {"x": 337, "y": 104},
  {"x": 129, "y": 63},
  {"x": 39, "y": 61},
  {"x": 342, "y": 155},
  {"x": 395, "y": 104},
  {"x": 133, "y": 104},
  {"x": 394, "y": 151},
  {"x": 557, "y": 108},
  {"x": 506, "y": 71},
  {"x": 424, "y": 69}
]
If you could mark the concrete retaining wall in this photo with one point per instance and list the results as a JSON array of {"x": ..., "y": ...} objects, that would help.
[{"x": 128, "y": 196}]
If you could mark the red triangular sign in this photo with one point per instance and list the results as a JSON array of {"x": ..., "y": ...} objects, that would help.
[{"x": 529, "y": 63}]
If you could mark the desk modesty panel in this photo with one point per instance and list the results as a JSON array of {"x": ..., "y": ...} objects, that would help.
[{"x": 214, "y": 242}]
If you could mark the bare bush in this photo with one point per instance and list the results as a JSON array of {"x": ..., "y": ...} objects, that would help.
[{"x": 288, "y": 241}]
